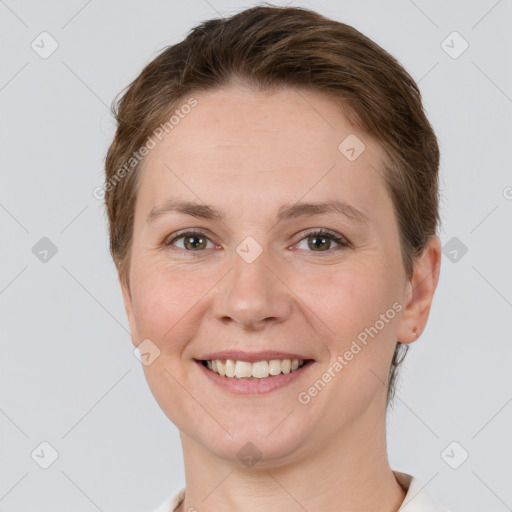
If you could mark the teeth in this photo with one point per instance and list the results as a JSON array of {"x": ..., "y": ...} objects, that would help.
[
  {"x": 260, "y": 369},
  {"x": 242, "y": 369},
  {"x": 230, "y": 368},
  {"x": 275, "y": 367},
  {"x": 257, "y": 370}
]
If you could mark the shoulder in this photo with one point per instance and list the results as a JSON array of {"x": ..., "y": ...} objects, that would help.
[
  {"x": 417, "y": 498},
  {"x": 172, "y": 502}
]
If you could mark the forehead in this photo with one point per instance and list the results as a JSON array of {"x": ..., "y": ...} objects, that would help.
[
  {"x": 281, "y": 145},
  {"x": 283, "y": 119}
]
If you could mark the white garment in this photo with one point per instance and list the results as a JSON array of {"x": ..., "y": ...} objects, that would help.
[{"x": 416, "y": 499}]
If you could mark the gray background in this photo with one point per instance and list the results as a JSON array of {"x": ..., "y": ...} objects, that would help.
[{"x": 68, "y": 374}]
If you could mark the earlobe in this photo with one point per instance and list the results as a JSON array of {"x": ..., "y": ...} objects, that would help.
[{"x": 420, "y": 292}]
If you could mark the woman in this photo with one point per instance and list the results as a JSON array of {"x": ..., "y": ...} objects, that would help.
[{"x": 272, "y": 195}]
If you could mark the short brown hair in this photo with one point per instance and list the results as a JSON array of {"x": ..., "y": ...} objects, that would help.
[{"x": 266, "y": 48}]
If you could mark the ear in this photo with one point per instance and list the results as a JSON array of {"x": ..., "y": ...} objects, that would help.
[
  {"x": 420, "y": 292},
  {"x": 128, "y": 306}
]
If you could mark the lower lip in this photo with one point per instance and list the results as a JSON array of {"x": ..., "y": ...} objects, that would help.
[{"x": 246, "y": 386}]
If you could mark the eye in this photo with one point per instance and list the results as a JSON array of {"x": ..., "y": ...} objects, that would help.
[
  {"x": 322, "y": 240},
  {"x": 193, "y": 241},
  {"x": 318, "y": 241}
]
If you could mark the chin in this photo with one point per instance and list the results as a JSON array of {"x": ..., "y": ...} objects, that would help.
[{"x": 260, "y": 444}]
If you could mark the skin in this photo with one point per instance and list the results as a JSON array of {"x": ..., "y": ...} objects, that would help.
[{"x": 247, "y": 154}]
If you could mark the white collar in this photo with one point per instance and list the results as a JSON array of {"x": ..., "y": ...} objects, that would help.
[{"x": 416, "y": 499}]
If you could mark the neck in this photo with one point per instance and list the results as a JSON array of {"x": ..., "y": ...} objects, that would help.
[{"x": 350, "y": 469}]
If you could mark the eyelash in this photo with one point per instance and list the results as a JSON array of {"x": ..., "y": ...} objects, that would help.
[{"x": 342, "y": 242}]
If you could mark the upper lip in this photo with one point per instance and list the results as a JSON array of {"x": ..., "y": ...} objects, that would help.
[{"x": 250, "y": 357}]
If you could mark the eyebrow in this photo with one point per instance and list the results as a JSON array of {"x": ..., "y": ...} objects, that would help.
[{"x": 285, "y": 212}]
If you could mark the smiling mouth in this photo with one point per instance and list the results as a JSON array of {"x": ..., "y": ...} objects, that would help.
[{"x": 232, "y": 369}]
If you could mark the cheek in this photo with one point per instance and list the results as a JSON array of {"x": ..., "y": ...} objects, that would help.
[
  {"x": 347, "y": 299},
  {"x": 165, "y": 299},
  {"x": 165, "y": 305},
  {"x": 355, "y": 309},
  {"x": 359, "y": 307}
]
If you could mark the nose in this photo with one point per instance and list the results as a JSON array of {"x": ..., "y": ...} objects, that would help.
[{"x": 253, "y": 295}]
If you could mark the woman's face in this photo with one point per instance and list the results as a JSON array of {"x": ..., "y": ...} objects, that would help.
[{"x": 257, "y": 277}]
